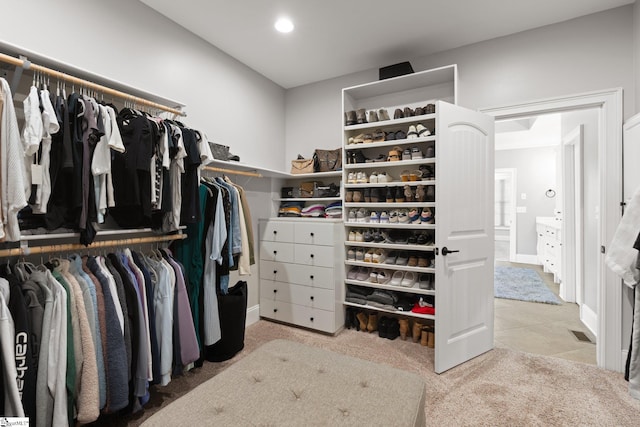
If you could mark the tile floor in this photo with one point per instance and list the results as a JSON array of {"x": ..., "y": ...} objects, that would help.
[{"x": 542, "y": 328}]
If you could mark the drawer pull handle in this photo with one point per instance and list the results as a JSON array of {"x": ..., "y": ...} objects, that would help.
[
  {"x": 311, "y": 277},
  {"x": 275, "y": 252},
  {"x": 275, "y": 291},
  {"x": 311, "y": 255},
  {"x": 311, "y": 298},
  {"x": 275, "y": 232},
  {"x": 311, "y": 318},
  {"x": 311, "y": 234},
  {"x": 275, "y": 310},
  {"x": 275, "y": 271}
]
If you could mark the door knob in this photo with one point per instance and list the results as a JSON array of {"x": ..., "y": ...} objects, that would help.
[{"x": 446, "y": 251}]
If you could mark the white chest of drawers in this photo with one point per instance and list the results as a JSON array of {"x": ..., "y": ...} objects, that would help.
[
  {"x": 549, "y": 245},
  {"x": 301, "y": 272}
]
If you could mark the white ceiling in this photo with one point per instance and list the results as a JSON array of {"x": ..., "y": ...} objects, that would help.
[{"x": 338, "y": 37}]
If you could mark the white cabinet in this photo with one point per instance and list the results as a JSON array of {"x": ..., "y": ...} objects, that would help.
[
  {"x": 453, "y": 250},
  {"x": 301, "y": 272},
  {"x": 549, "y": 245}
]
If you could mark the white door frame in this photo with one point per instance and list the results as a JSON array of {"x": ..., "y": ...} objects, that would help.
[
  {"x": 571, "y": 265},
  {"x": 511, "y": 173},
  {"x": 609, "y": 103}
]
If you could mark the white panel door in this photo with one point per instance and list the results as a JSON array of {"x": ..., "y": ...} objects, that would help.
[{"x": 464, "y": 223}]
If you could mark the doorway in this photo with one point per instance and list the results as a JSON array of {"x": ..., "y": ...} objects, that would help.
[
  {"x": 548, "y": 163},
  {"x": 608, "y": 185}
]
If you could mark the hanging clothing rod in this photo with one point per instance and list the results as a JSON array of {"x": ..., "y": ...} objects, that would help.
[
  {"x": 231, "y": 171},
  {"x": 91, "y": 85},
  {"x": 23, "y": 251}
]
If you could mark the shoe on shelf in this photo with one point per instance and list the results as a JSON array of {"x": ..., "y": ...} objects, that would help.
[
  {"x": 383, "y": 326},
  {"x": 422, "y": 130},
  {"x": 393, "y": 156},
  {"x": 368, "y": 257},
  {"x": 430, "y": 195},
  {"x": 351, "y": 254},
  {"x": 424, "y": 239},
  {"x": 416, "y": 154},
  {"x": 404, "y": 328},
  {"x": 378, "y": 256},
  {"x": 359, "y": 254},
  {"x": 358, "y": 236},
  {"x": 357, "y": 196},
  {"x": 373, "y": 178},
  {"x": 372, "y": 324},
  {"x": 374, "y": 217},
  {"x": 348, "y": 196},
  {"x": 401, "y": 135},
  {"x": 383, "y": 115},
  {"x": 362, "y": 321},
  {"x": 409, "y": 279},
  {"x": 413, "y": 261},
  {"x": 408, "y": 194},
  {"x": 353, "y": 273},
  {"x": 431, "y": 152},
  {"x": 406, "y": 154},
  {"x": 351, "y": 178},
  {"x": 393, "y": 216},
  {"x": 413, "y": 239},
  {"x": 390, "y": 136},
  {"x": 412, "y": 133},
  {"x": 384, "y": 177},
  {"x": 423, "y": 281},
  {"x": 408, "y": 112},
  {"x": 403, "y": 258},
  {"x": 358, "y": 139},
  {"x": 351, "y": 216},
  {"x": 421, "y": 194},
  {"x": 399, "y": 195},
  {"x": 367, "y": 236},
  {"x": 352, "y": 236},
  {"x": 398, "y": 114},
  {"x": 414, "y": 218},
  {"x": 393, "y": 328},
  {"x": 368, "y": 138},
  {"x": 403, "y": 216},
  {"x": 391, "y": 258},
  {"x": 363, "y": 274},
  {"x": 383, "y": 278},
  {"x": 361, "y": 116},
  {"x": 362, "y": 215},
  {"x": 427, "y": 171},
  {"x": 415, "y": 175},
  {"x": 390, "y": 193},
  {"x": 384, "y": 218},
  {"x": 373, "y": 116},
  {"x": 350, "y": 118},
  {"x": 426, "y": 217},
  {"x": 373, "y": 276},
  {"x": 419, "y": 111},
  {"x": 396, "y": 278},
  {"x": 377, "y": 236},
  {"x": 378, "y": 135},
  {"x": 375, "y": 195},
  {"x": 430, "y": 109},
  {"x": 367, "y": 195},
  {"x": 416, "y": 330},
  {"x": 404, "y": 176}
]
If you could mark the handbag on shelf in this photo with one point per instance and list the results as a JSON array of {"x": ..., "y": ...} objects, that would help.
[
  {"x": 307, "y": 188},
  {"x": 219, "y": 151},
  {"x": 302, "y": 165},
  {"x": 327, "y": 160}
]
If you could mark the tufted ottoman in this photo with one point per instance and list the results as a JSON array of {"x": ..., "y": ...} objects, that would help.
[{"x": 285, "y": 383}]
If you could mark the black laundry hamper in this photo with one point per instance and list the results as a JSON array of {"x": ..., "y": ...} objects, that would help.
[{"x": 233, "y": 313}]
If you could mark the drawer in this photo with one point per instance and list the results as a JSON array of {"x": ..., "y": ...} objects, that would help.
[
  {"x": 277, "y": 251},
  {"x": 299, "y": 315},
  {"x": 321, "y": 277},
  {"x": 297, "y": 294},
  {"x": 276, "y": 231},
  {"x": 314, "y": 234},
  {"x": 314, "y": 255}
]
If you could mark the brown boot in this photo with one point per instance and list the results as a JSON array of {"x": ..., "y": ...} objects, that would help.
[
  {"x": 431, "y": 338},
  {"x": 362, "y": 318},
  {"x": 416, "y": 331},
  {"x": 373, "y": 323},
  {"x": 404, "y": 328},
  {"x": 424, "y": 337}
]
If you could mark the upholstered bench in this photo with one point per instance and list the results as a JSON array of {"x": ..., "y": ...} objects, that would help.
[{"x": 285, "y": 383}]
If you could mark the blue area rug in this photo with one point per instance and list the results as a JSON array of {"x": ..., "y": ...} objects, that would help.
[{"x": 522, "y": 284}]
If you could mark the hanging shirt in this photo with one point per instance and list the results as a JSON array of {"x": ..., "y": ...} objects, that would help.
[
  {"x": 13, "y": 179},
  {"x": 12, "y": 403}
]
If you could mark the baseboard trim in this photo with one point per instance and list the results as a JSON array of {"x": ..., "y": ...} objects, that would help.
[
  {"x": 253, "y": 314},
  {"x": 527, "y": 259},
  {"x": 589, "y": 318}
]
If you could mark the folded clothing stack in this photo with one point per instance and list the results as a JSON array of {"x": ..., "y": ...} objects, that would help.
[
  {"x": 291, "y": 209},
  {"x": 424, "y": 305},
  {"x": 357, "y": 295},
  {"x": 315, "y": 210},
  {"x": 334, "y": 210}
]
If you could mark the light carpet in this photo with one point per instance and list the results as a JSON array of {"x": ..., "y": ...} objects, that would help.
[
  {"x": 501, "y": 387},
  {"x": 522, "y": 284}
]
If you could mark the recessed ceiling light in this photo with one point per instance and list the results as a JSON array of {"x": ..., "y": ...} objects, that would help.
[{"x": 284, "y": 25}]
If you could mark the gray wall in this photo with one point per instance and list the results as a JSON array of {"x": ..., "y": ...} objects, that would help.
[
  {"x": 535, "y": 175},
  {"x": 581, "y": 55},
  {"x": 128, "y": 42}
]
